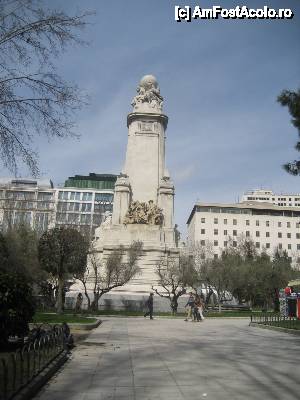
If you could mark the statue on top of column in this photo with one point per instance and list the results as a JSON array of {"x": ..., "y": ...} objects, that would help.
[{"x": 148, "y": 95}]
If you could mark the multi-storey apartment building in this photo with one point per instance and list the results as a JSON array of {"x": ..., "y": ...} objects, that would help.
[
  {"x": 262, "y": 195},
  {"x": 81, "y": 202},
  {"x": 27, "y": 201},
  {"x": 84, "y": 200},
  {"x": 267, "y": 225}
]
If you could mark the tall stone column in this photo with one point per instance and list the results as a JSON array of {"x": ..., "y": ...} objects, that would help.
[
  {"x": 166, "y": 194},
  {"x": 121, "y": 199}
]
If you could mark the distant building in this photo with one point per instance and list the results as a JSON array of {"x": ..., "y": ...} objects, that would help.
[
  {"x": 282, "y": 200},
  {"x": 269, "y": 226},
  {"x": 82, "y": 202},
  {"x": 27, "y": 201}
]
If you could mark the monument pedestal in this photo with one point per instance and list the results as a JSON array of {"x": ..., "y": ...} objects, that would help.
[{"x": 143, "y": 201}]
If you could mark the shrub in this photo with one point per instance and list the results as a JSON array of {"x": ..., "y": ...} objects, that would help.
[{"x": 17, "y": 306}]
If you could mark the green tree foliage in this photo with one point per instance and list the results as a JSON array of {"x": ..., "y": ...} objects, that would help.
[
  {"x": 63, "y": 253},
  {"x": 248, "y": 275},
  {"x": 17, "y": 305},
  {"x": 34, "y": 99},
  {"x": 174, "y": 276},
  {"x": 22, "y": 244},
  {"x": 291, "y": 100},
  {"x": 4, "y": 254},
  {"x": 16, "y": 300}
]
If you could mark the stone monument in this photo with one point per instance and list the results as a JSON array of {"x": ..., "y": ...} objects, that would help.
[{"x": 144, "y": 193}]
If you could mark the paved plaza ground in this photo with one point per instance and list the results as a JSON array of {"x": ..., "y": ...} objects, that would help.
[{"x": 219, "y": 359}]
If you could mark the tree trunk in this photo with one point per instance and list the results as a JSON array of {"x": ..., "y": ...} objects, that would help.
[
  {"x": 220, "y": 307},
  {"x": 87, "y": 296},
  {"x": 174, "y": 305},
  {"x": 59, "y": 307},
  {"x": 276, "y": 301}
]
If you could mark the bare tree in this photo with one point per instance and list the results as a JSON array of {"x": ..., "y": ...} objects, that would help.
[
  {"x": 33, "y": 98},
  {"x": 174, "y": 276},
  {"x": 119, "y": 268}
]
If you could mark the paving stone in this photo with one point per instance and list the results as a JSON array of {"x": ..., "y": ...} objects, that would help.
[{"x": 131, "y": 358}]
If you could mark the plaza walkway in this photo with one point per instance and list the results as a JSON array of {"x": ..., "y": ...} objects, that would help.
[{"x": 135, "y": 358}]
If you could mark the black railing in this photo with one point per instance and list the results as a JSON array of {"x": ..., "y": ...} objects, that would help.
[
  {"x": 276, "y": 320},
  {"x": 21, "y": 367}
]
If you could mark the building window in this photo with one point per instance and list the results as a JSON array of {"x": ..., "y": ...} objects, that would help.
[
  {"x": 104, "y": 197},
  {"x": 73, "y": 218},
  {"x": 298, "y": 246},
  {"x": 234, "y": 222},
  {"x": 234, "y": 243},
  {"x": 279, "y": 224},
  {"x": 45, "y": 196},
  {"x": 202, "y": 231},
  {"x": 225, "y": 243},
  {"x": 267, "y": 234},
  {"x": 267, "y": 223},
  {"x": 63, "y": 195},
  {"x": 267, "y": 245},
  {"x": 215, "y": 243},
  {"x": 297, "y": 224},
  {"x": 72, "y": 196},
  {"x": 280, "y": 246},
  {"x": 247, "y": 222},
  {"x": 257, "y": 233},
  {"x": 289, "y": 246},
  {"x": 297, "y": 235},
  {"x": 215, "y": 220},
  {"x": 225, "y": 232},
  {"x": 288, "y": 224},
  {"x": 87, "y": 196},
  {"x": 86, "y": 207},
  {"x": 215, "y": 231},
  {"x": 288, "y": 235},
  {"x": 279, "y": 234},
  {"x": 202, "y": 220},
  {"x": 216, "y": 256},
  {"x": 85, "y": 218},
  {"x": 202, "y": 242},
  {"x": 234, "y": 232},
  {"x": 257, "y": 223},
  {"x": 225, "y": 221},
  {"x": 247, "y": 233},
  {"x": 257, "y": 245}
]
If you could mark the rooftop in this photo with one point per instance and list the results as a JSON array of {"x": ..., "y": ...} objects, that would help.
[{"x": 245, "y": 205}]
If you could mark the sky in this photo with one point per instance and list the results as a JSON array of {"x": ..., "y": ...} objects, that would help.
[{"x": 219, "y": 78}]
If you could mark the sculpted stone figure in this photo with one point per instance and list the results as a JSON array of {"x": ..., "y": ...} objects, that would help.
[
  {"x": 148, "y": 93},
  {"x": 143, "y": 213}
]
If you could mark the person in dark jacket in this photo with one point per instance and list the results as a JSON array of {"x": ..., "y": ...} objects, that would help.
[
  {"x": 149, "y": 304},
  {"x": 190, "y": 306}
]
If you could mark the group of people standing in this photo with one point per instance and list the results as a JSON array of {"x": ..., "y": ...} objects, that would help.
[{"x": 194, "y": 307}]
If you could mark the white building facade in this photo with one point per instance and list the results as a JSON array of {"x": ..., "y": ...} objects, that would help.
[
  {"x": 267, "y": 225},
  {"x": 82, "y": 202},
  {"x": 263, "y": 195}
]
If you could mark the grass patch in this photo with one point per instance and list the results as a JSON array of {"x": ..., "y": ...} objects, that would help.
[{"x": 52, "y": 318}]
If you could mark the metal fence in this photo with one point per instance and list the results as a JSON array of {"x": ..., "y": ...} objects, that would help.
[
  {"x": 19, "y": 368},
  {"x": 276, "y": 320}
]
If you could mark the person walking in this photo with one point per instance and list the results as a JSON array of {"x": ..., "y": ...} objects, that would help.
[
  {"x": 190, "y": 306},
  {"x": 201, "y": 309},
  {"x": 196, "y": 313},
  {"x": 149, "y": 304}
]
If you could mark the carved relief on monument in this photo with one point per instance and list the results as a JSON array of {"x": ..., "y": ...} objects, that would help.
[
  {"x": 148, "y": 93},
  {"x": 144, "y": 213}
]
